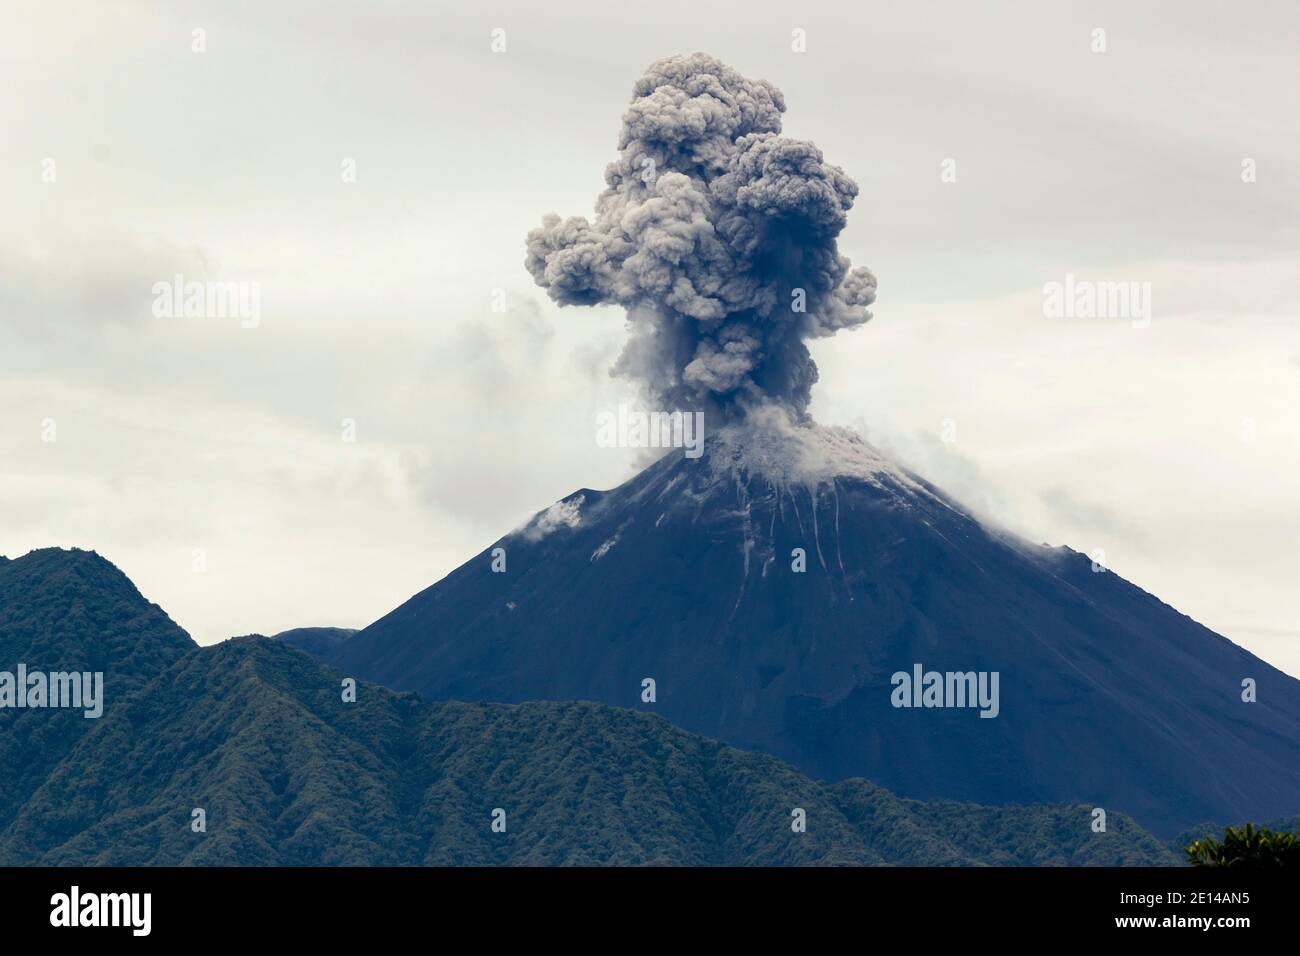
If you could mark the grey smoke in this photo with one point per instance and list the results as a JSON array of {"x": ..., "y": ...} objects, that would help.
[{"x": 710, "y": 223}]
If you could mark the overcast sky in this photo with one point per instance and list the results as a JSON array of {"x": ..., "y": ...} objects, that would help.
[{"x": 1175, "y": 448}]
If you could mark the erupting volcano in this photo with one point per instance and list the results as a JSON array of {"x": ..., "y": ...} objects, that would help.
[{"x": 770, "y": 589}]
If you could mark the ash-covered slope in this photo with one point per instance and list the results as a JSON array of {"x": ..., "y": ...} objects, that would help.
[{"x": 684, "y": 575}]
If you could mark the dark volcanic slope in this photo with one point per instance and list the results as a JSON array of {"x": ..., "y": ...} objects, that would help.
[
  {"x": 65, "y": 611},
  {"x": 256, "y": 733},
  {"x": 319, "y": 642},
  {"x": 684, "y": 575}
]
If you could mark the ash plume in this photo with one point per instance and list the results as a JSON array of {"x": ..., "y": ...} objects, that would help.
[{"x": 717, "y": 234}]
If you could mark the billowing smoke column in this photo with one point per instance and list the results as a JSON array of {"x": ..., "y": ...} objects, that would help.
[{"x": 718, "y": 236}]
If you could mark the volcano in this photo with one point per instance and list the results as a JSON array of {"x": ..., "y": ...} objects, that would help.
[{"x": 768, "y": 593}]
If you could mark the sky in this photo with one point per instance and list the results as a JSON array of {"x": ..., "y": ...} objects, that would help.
[{"x": 407, "y": 394}]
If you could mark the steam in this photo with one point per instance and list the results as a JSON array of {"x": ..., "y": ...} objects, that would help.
[{"x": 717, "y": 234}]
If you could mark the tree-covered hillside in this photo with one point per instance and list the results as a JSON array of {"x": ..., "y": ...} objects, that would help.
[
  {"x": 259, "y": 737},
  {"x": 71, "y": 611}
]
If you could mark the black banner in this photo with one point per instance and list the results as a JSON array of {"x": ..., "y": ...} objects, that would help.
[{"x": 581, "y": 905}]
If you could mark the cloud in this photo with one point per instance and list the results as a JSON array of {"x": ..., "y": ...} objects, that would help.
[
  {"x": 562, "y": 514},
  {"x": 101, "y": 277}
]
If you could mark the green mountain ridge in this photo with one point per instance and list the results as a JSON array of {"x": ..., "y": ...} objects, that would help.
[
  {"x": 63, "y": 611},
  {"x": 257, "y": 734}
]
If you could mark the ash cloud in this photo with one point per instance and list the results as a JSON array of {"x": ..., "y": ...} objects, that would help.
[{"x": 713, "y": 232}]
